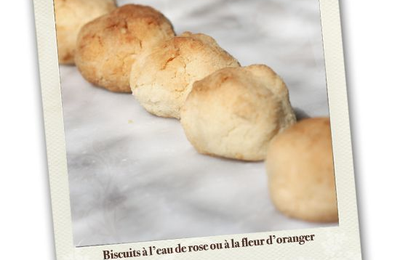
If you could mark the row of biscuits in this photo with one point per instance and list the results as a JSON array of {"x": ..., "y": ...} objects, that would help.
[{"x": 226, "y": 110}]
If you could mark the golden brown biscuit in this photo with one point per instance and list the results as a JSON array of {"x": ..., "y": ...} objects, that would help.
[
  {"x": 300, "y": 170},
  {"x": 162, "y": 80},
  {"x": 71, "y": 15},
  {"x": 108, "y": 46},
  {"x": 235, "y": 112}
]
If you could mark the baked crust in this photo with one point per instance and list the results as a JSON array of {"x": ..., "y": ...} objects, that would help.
[
  {"x": 162, "y": 80},
  {"x": 300, "y": 171},
  {"x": 108, "y": 46},
  {"x": 71, "y": 15},
  {"x": 235, "y": 112}
]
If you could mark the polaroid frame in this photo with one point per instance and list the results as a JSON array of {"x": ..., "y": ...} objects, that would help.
[{"x": 342, "y": 242}]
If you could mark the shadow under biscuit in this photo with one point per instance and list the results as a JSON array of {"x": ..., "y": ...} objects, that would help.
[{"x": 300, "y": 114}]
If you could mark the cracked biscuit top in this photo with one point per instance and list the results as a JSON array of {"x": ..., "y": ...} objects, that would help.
[
  {"x": 108, "y": 46},
  {"x": 236, "y": 112},
  {"x": 162, "y": 80}
]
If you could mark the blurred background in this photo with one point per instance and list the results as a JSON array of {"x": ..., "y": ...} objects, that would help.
[{"x": 134, "y": 177}]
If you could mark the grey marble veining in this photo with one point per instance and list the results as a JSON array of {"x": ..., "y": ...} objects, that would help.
[{"x": 134, "y": 177}]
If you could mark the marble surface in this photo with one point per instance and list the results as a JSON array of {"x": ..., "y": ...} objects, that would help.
[{"x": 134, "y": 177}]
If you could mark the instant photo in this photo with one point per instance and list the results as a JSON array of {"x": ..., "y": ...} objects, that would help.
[{"x": 210, "y": 129}]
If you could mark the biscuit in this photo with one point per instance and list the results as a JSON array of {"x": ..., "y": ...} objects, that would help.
[
  {"x": 235, "y": 112},
  {"x": 71, "y": 15},
  {"x": 108, "y": 46},
  {"x": 300, "y": 171},
  {"x": 162, "y": 80}
]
